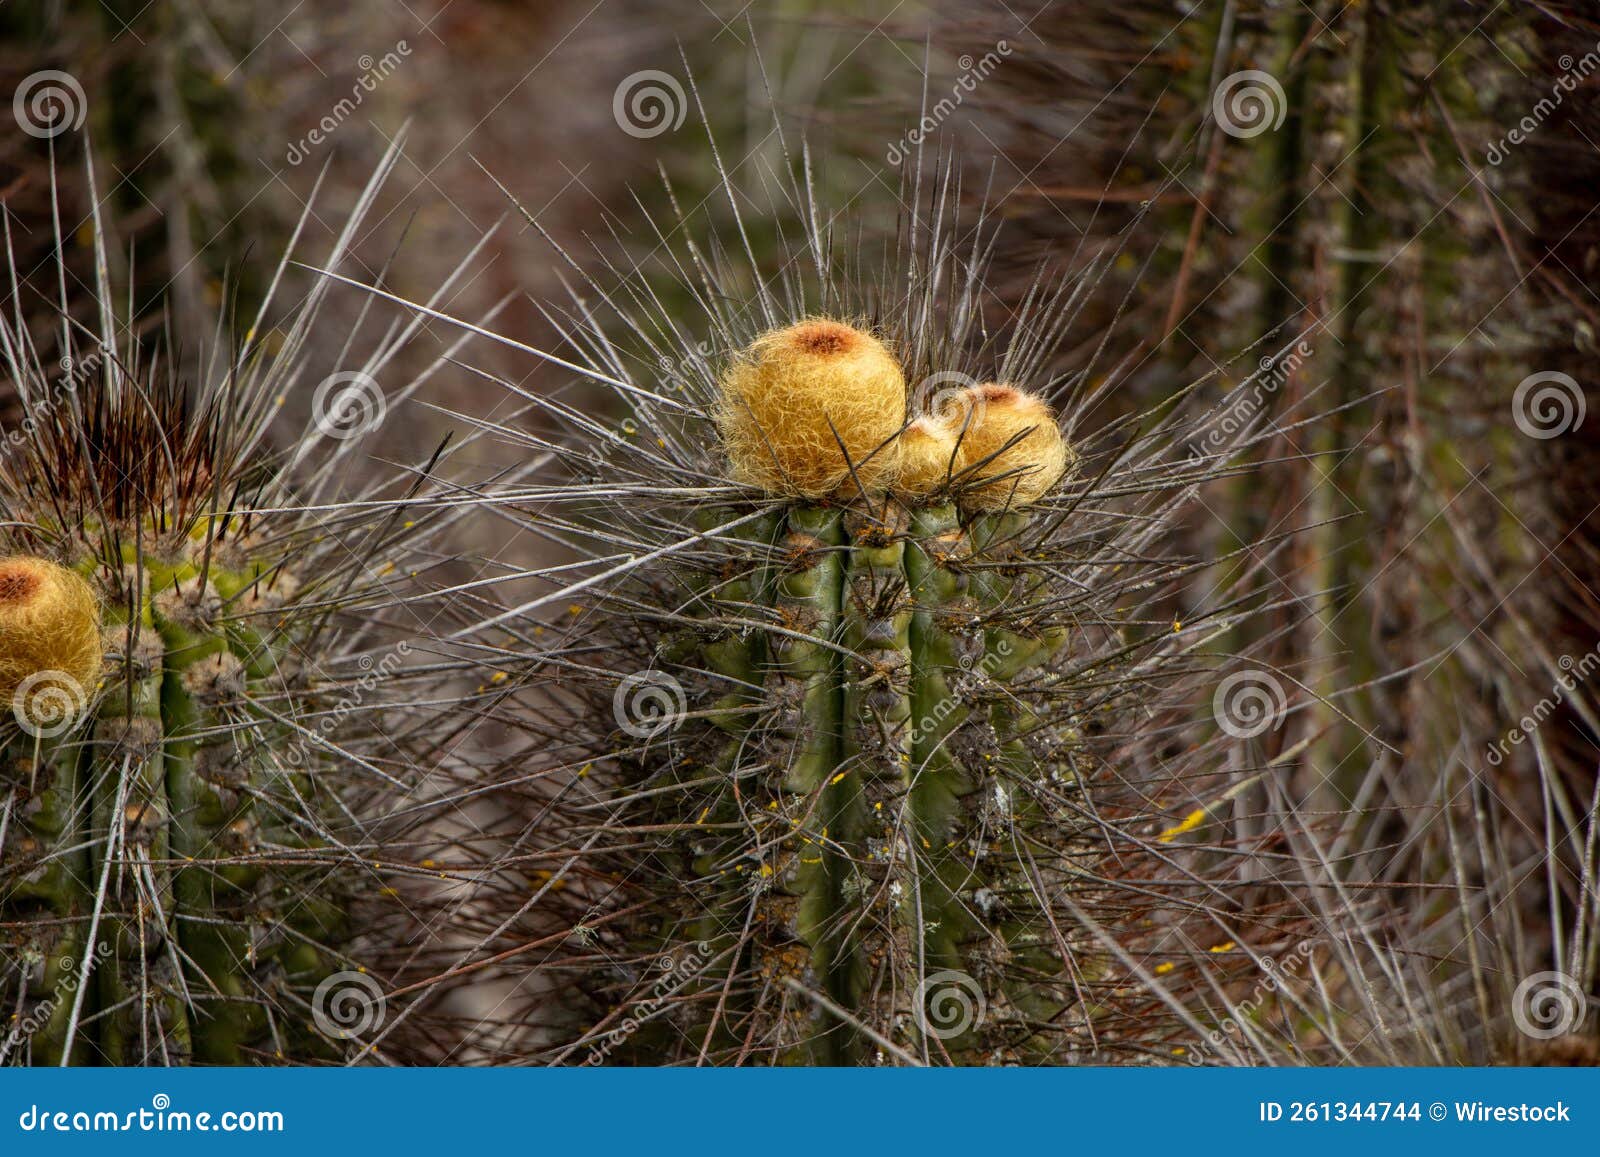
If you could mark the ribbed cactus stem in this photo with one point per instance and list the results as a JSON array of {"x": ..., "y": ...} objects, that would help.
[
  {"x": 874, "y": 791},
  {"x": 808, "y": 730},
  {"x": 738, "y": 592},
  {"x": 946, "y": 649},
  {"x": 139, "y": 985},
  {"x": 52, "y": 834}
]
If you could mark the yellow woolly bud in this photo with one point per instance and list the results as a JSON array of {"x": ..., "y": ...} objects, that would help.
[
  {"x": 49, "y": 642},
  {"x": 927, "y": 450},
  {"x": 787, "y": 396},
  {"x": 985, "y": 419}
]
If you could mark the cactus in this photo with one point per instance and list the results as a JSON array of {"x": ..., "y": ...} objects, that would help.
[
  {"x": 842, "y": 727},
  {"x": 188, "y": 812}
]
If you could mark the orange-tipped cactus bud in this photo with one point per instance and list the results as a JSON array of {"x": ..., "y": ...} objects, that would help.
[
  {"x": 807, "y": 405},
  {"x": 1011, "y": 452},
  {"x": 50, "y": 649}
]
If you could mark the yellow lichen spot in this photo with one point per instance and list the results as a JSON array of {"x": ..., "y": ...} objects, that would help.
[
  {"x": 1165, "y": 967},
  {"x": 837, "y": 778},
  {"x": 1177, "y": 625},
  {"x": 704, "y": 814},
  {"x": 1191, "y": 821},
  {"x": 766, "y": 870},
  {"x": 772, "y": 805},
  {"x": 1227, "y": 947},
  {"x": 1179, "y": 1051},
  {"x": 430, "y": 864},
  {"x": 575, "y": 609}
]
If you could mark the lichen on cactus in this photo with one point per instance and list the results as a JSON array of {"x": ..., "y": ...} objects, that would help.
[{"x": 184, "y": 836}]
